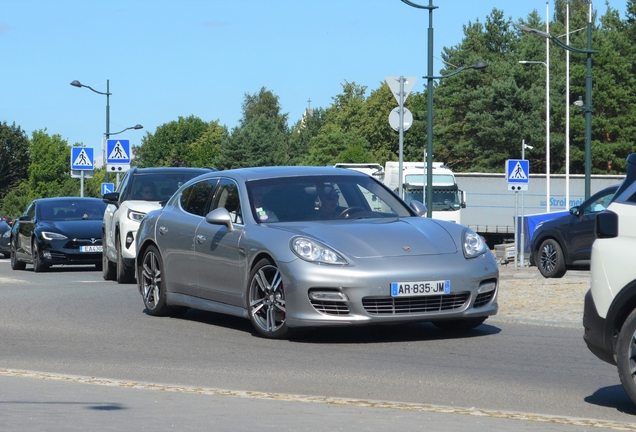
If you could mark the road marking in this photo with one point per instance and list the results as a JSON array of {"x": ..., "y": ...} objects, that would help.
[{"x": 540, "y": 418}]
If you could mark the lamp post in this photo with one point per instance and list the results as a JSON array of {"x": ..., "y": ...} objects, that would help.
[
  {"x": 547, "y": 129},
  {"x": 429, "y": 91},
  {"x": 587, "y": 105},
  {"x": 76, "y": 83}
]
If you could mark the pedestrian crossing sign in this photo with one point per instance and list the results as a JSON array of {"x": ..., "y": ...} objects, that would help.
[
  {"x": 517, "y": 174},
  {"x": 118, "y": 152},
  {"x": 82, "y": 159}
]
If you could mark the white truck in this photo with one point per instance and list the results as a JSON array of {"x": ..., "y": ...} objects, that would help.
[{"x": 448, "y": 200}]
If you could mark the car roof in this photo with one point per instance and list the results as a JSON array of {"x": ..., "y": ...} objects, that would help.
[
  {"x": 66, "y": 198},
  {"x": 258, "y": 173},
  {"x": 167, "y": 170}
]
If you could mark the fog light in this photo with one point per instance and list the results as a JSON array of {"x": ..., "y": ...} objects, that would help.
[
  {"x": 46, "y": 254},
  {"x": 487, "y": 287},
  {"x": 129, "y": 239},
  {"x": 327, "y": 296}
]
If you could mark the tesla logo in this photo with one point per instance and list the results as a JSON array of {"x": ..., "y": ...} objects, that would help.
[
  {"x": 406, "y": 249},
  {"x": 93, "y": 240}
]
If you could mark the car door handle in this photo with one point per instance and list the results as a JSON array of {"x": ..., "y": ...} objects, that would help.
[
  {"x": 163, "y": 230},
  {"x": 200, "y": 239}
]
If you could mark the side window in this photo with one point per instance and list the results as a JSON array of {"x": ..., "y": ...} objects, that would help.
[
  {"x": 600, "y": 203},
  {"x": 122, "y": 187},
  {"x": 195, "y": 198},
  {"x": 227, "y": 196},
  {"x": 31, "y": 212}
]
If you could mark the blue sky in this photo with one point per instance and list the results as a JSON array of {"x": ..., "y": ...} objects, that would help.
[{"x": 171, "y": 58}]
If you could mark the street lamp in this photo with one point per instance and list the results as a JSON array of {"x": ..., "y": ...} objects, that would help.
[
  {"x": 547, "y": 128},
  {"x": 587, "y": 107},
  {"x": 76, "y": 83},
  {"x": 429, "y": 90}
]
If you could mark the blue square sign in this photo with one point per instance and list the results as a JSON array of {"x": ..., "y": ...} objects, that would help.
[
  {"x": 82, "y": 159},
  {"x": 517, "y": 174},
  {"x": 118, "y": 152}
]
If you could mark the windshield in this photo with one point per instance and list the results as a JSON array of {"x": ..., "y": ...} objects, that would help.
[
  {"x": 438, "y": 179},
  {"x": 289, "y": 199},
  {"x": 443, "y": 199},
  {"x": 159, "y": 187},
  {"x": 72, "y": 209}
]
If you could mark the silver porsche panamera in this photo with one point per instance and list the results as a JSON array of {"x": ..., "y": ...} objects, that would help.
[{"x": 290, "y": 247}]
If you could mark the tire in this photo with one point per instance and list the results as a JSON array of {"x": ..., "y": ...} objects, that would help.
[
  {"x": 152, "y": 284},
  {"x": 125, "y": 275},
  {"x": 15, "y": 263},
  {"x": 626, "y": 356},
  {"x": 266, "y": 300},
  {"x": 108, "y": 268},
  {"x": 550, "y": 259},
  {"x": 38, "y": 267},
  {"x": 459, "y": 324}
]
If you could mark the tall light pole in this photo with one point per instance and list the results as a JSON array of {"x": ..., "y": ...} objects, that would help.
[
  {"x": 76, "y": 83},
  {"x": 429, "y": 92},
  {"x": 587, "y": 105},
  {"x": 547, "y": 129}
]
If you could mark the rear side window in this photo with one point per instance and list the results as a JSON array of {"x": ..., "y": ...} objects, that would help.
[{"x": 194, "y": 199}]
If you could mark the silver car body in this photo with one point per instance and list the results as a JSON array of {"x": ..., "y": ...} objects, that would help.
[{"x": 208, "y": 258}]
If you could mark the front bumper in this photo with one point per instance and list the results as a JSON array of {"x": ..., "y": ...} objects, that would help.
[
  {"x": 596, "y": 333},
  {"x": 366, "y": 288}
]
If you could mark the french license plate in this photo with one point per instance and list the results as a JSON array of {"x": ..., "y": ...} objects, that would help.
[
  {"x": 91, "y": 249},
  {"x": 425, "y": 288}
]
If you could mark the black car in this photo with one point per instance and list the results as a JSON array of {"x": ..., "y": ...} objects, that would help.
[
  {"x": 565, "y": 243},
  {"x": 66, "y": 230},
  {"x": 5, "y": 239}
]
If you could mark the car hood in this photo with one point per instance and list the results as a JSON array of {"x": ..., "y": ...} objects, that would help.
[
  {"x": 367, "y": 238},
  {"x": 82, "y": 228}
]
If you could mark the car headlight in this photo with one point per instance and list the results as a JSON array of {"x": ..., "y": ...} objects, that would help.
[
  {"x": 7, "y": 234},
  {"x": 311, "y": 250},
  {"x": 473, "y": 244},
  {"x": 47, "y": 235},
  {"x": 135, "y": 215}
]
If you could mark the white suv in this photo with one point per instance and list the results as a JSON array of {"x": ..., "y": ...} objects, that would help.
[
  {"x": 140, "y": 191},
  {"x": 609, "y": 315}
]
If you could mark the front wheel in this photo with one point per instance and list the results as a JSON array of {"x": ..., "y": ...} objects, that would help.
[
  {"x": 550, "y": 259},
  {"x": 626, "y": 356},
  {"x": 38, "y": 267},
  {"x": 459, "y": 324},
  {"x": 125, "y": 275},
  {"x": 266, "y": 299},
  {"x": 15, "y": 263},
  {"x": 108, "y": 268}
]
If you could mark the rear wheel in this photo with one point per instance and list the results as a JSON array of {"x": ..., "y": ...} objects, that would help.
[
  {"x": 108, "y": 268},
  {"x": 38, "y": 267},
  {"x": 626, "y": 356},
  {"x": 125, "y": 275},
  {"x": 15, "y": 263},
  {"x": 550, "y": 259},
  {"x": 459, "y": 324},
  {"x": 266, "y": 298},
  {"x": 152, "y": 285}
]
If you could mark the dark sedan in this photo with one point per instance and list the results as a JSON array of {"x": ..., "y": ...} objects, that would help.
[
  {"x": 565, "y": 242},
  {"x": 5, "y": 239},
  {"x": 53, "y": 231}
]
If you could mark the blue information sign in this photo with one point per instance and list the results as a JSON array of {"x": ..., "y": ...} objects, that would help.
[
  {"x": 82, "y": 159},
  {"x": 118, "y": 152}
]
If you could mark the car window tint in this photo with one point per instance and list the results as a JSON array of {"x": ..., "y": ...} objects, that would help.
[
  {"x": 195, "y": 198},
  {"x": 227, "y": 196}
]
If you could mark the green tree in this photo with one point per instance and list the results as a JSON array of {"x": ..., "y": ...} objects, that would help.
[
  {"x": 262, "y": 137},
  {"x": 14, "y": 157},
  {"x": 50, "y": 169},
  {"x": 171, "y": 143}
]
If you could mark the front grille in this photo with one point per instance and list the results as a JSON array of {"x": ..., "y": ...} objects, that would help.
[
  {"x": 76, "y": 243},
  {"x": 414, "y": 305},
  {"x": 484, "y": 298},
  {"x": 330, "y": 307}
]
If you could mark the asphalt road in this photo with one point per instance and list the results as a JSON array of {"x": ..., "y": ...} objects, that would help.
[{"x": 71, "y": 334}]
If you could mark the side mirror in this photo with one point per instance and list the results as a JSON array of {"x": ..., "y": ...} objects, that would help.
[
  {"x": 574, "y": 211},
  {"x": 111, "y": 198},
  {"x": 419, "y": 207},
  {"x": 220, "y": 216},
  {"x": 606, "y": 225}
]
